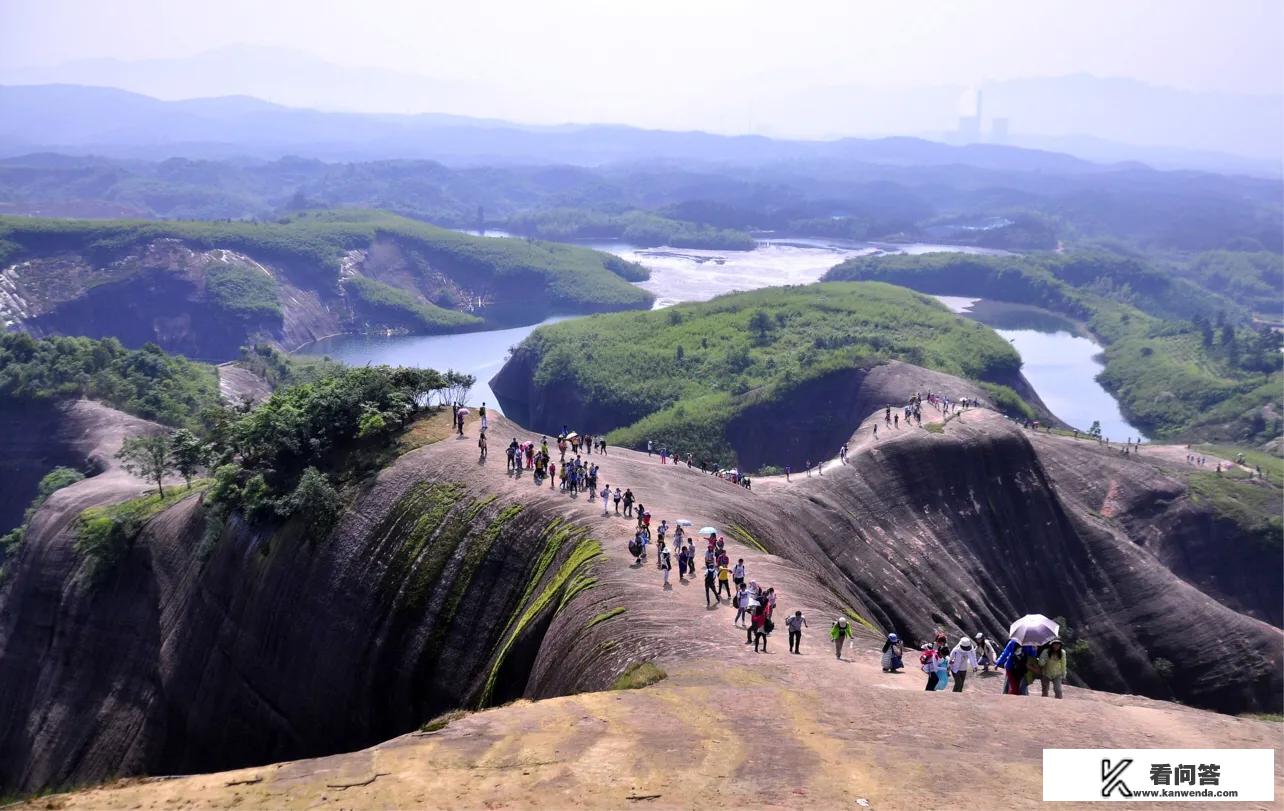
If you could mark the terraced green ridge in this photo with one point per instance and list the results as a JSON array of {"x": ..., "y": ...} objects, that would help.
[
  {"x": 680, "y": 375},
  {"x": 311, "y": 246}
]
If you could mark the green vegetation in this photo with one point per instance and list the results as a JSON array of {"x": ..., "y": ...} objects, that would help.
[
  {"x": 344, "y": 424},
  {"x": 103, "y": 533},
  {"x": 1251, "y": 279},
  {"x": 635, "y": 227},
  {"x": 53, "y": 481},
  {"x": 604, "y": 616},
  {"x": 145, "y": 382},
  {"x": 1255, "y": 506},
  {"x": 278, "y": 369},
  {"x": 678, "y": 376},
  {"x": 1272, "y": 466},
  {"x": 310, "y": 246},
  {"x": 243, "y": 291},
  {"x": 390, "y": 306},
  {"x": 556, "y": 537},
  {"x": 642, "y": 674},
  {"x": 1175, "y": 358},
  {"x": 444, "y": 720}
]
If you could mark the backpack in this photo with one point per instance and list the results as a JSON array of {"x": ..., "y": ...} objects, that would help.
[{"x": 926, "y": 662}]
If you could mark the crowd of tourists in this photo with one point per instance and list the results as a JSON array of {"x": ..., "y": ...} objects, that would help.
[{"x": 724, "y": 582}]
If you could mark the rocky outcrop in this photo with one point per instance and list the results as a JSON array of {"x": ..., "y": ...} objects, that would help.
[
  {"x": 213, "y": 646},
  {"x": 782, "y": 427},
  {"x": 967, "y": 530},
  {"x": 1149, "y": 502},
  {"x": 448, "y": 584}
]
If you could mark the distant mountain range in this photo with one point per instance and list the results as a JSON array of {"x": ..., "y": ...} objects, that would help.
[
  {"x": 1100, "y": 119},
  {"x": 95, "y": 120}
]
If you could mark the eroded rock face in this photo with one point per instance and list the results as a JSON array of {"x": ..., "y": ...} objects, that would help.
[
  {"x": 966, "y": 530},
  {"x": 447, "y": 584},
  {"x": 260, "y": 644}
]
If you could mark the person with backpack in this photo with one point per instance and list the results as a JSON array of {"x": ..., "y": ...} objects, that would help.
[
  {"x": 962, "y": 661},
  {"x": 481, "y": 447},
  {"x": 760, "y": 626},
  {"x": 840, "y": 631},
  {"x": 985, "y": 654},
  {"x": 710, "y": 586},
  {"x": 682, "y": 561},
  {"x": 927, "y": 663},
  {"x": 666, "y": 563},
  {"x": 741, "y": 603},
  {"x": 628, "y": 503},
  {"x": 606, "y": 495},
  {"x": 892, "y": 653},
  {"x": 795, "y": 624},
  {"x": 617, "y": 497}
]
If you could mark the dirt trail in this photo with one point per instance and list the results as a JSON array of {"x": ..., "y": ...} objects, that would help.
[{"x": 727, "y": 724}]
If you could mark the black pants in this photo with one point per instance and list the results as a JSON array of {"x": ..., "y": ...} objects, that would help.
[
  {"x": 795, "y": 641},
  {"x": 759, "y": 636},
  {"x": 710, "y": 588},
  {"x": 724, "y": 586},
  {"x": 959, "y": 678},
  {"x": 931, "y": 681}
]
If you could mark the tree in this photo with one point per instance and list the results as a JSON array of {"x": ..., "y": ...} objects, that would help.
[
  {"x": 187, "y": 453},
  {"x": 147, "y": 457},
  {"x": 458, "y": 385},
  {"x": 760, "y": 323},
  {"x": 315, "y": 499},
  {"x": 1095, "y": 430}
]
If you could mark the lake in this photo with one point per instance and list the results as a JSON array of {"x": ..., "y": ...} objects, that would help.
[{"x": 1060, "y": 362}]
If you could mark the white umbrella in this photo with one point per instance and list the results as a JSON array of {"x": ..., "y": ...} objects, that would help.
[
  {"x": 682, "y": 522},
  {"x": 463, "y": 412},
  {"x": 708, "y": 531},
  {"x": 1034, "y": 629}
]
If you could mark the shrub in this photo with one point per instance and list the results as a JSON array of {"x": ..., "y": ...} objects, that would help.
[{"x": 639, "y": 675}]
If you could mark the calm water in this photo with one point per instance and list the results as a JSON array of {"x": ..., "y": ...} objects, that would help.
[
  {"x": 1061, "y": 364},
  {"x": 1058, "y": 363},
  {"x": 480, "y": 354}
]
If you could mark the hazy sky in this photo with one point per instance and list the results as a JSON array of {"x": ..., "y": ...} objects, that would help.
[{"x": 602, "y": 46}]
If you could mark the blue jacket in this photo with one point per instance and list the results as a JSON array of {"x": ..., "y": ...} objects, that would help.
[{"x": 1008, "y": 650}]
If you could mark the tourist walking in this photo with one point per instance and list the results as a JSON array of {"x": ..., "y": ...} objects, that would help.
[
  {"x": 760, "y": 626},
  {"x": 962, "y": 662},
  {"x": 666, "y": 563},
  {"x": 742, "y": 604},
  {"x": 927, "y": 661},
  {"x": 893, "y": 653},
  {"x": 795, "y": 624},
  {"x": 985, "y": 653},
  {"x": 1052, "y": 667},
  {"x": 738, "y": 574},
  {"x": 840, "y": 632},
  {"x": 710, "y": 585}
]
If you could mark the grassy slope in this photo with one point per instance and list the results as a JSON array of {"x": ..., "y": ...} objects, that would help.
[
  {"x": 311, "y": 246},
  {"x": 683, "y": 372},
  {"x": 395, "y": 307},
  {"x": 1156, "y": 366}
]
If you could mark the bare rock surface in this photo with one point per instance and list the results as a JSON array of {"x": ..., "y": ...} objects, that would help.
[{"x": 449, "y": 583}]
